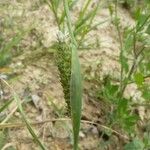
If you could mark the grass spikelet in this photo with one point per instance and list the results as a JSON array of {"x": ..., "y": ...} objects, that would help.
[{"x": 63, "y": 61}]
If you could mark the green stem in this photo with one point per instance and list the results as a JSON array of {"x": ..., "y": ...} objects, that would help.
[
  {"x": 121, "y": 45},
  {"x": 73, "y": 40}
]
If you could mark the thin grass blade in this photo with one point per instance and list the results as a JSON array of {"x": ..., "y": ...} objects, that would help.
[
  {"x": 82, "y": 13},
  {"x": 5, "y": 105},
  {"x": 24, "y": 118},
  {"x": 70, "y": 7}
]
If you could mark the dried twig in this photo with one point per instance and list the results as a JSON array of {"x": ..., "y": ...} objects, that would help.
[{"x": 22, "y": 125}]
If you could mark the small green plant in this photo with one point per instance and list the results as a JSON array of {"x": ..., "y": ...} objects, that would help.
[
  {"x": 136, "y": 144},
  {"x": 134, "y": 62},
  {"x": 69, "y": 67},
  {"x": 80, "y": 28},
  {"x": 66, "y": 53},
  {"x": 6, "y": 49},
  {"x": 139, "y": 144}
]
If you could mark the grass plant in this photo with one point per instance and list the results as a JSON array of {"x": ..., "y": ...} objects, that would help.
[{"x": 73, "y": 33}]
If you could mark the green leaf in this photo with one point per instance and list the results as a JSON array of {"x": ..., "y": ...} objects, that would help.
[
  {"x": 146, "y": 94},
  {"x": 131, "y": 120},
  {"x": 76, "y": 95},
  {"x": 76, "y": 82},
  {"x": 137, "y": 13},
  {"x": 125, "y": 118},
  {"x": 128, "y": 43},
  {"x": 142, "y": 21},
  {"x": 147, "y": 66},
  {"x": 136, "y": 144},
  {"x": 124, "y": 62},
  {"x": 122, "y": 107},
  {"x": 110, "y": 90},
  {"x": 139, "y": 78}
]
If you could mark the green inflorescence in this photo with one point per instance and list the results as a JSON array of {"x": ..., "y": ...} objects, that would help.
[{"x": 63, "y": 61}]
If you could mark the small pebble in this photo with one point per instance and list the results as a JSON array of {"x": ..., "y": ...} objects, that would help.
[
  {"x": 81, "y": 134},
  {"x": 36, "y": 100},
  {"x": 94, "y": 130}
]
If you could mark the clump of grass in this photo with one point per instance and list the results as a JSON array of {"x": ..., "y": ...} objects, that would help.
[
  {"x": 67, "y": 57},
  {"x": 6, "y": 50}
]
